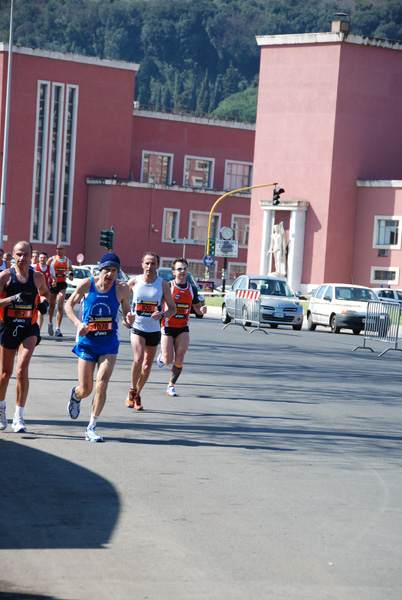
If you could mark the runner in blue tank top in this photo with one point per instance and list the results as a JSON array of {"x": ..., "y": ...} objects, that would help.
[{"x": 97, "y": 337}]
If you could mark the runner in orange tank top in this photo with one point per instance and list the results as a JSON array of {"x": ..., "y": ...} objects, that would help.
[
  {"x": 63, "y": 269},
  {"x": 175, "y": 331}
]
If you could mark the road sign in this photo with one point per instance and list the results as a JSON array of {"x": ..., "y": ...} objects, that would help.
[
  {"x": 183, "y": 241},
  {"x": 227, "y": 248},
  {"x": 80, "y": 258},
  {"x": 209, "y": 260}
]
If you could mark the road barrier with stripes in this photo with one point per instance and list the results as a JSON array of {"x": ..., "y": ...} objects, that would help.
[
  {"x": 382, "y": 325},
  {"x": 247, "y": 310}
]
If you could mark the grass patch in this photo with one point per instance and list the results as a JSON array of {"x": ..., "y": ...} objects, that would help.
[{"x": 213, "y": 300}]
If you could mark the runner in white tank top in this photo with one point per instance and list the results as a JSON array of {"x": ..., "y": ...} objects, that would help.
[{"x": 144, "y": 321}]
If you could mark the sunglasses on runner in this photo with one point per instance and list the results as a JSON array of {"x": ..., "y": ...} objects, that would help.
[{"x": 181, "y": 269}]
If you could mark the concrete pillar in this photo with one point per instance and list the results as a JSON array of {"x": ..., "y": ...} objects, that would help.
[
  {"x": 296, "y": 248},
  {"x": 267, "y": 228}
]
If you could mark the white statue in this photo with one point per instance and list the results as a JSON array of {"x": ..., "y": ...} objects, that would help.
[{"x": 278, "y": 249}]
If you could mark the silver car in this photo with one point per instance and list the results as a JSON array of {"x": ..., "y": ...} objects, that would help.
[{"x": 279, "y": 305}]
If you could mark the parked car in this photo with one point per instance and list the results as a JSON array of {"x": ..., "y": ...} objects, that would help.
[
  {"x": 388, "y": 295},
  {"x": 167, "y": 274},
  {"x": 79, "y": 273},
  {"x": 342, "y": 306},
  {"x": 279, "y": 304}
]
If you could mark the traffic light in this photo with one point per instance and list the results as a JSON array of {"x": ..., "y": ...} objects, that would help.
[
  {"x": 210, "y": 248},
  {"x": 106, "y": 238},
  {"x": 277, "y": 193}
]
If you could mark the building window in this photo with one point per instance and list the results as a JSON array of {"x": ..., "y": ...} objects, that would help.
[
  {"x": 384, "y": 275},
  {"x": 170, "y": 224},
  {"x": 386, "y": 232},
  {"x": 70, "y": 130},
  {"x": 198, "y": 270},
  {"x": 241, "y": 227},
  {"x": 198, "y": 172},
  {"x": 56, "y": 118},
  {"x": 199, "y": 226},
  {"x": 156, "y": 168},
  {"x": 39, "y": 176},
  {"x": 237, "y": 175},
  {"x": 56, "y": 128},
  {"x": 235, "y": 270}
]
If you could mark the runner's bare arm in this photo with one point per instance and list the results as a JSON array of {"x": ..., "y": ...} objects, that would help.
[
  {"x": 200, "y": 310},
  {"x": 167, "y": 296},
  {"x": 4, "y": 279},
  {"x": 123, "y": 296},
  {"x": 75, "y": 298}
]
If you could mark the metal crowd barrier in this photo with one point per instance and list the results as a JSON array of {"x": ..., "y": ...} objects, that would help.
[
  {"x": 382, "y": 325},
  {"x": 247, "y": 310}
]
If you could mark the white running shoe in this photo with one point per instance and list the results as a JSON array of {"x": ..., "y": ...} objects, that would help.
[
  {"x": 18, "y": 425},
  {"x": 159, "y": 360},
  {"x": 3, "y": 419},
  {"x": 58, "y": 333},
  {"x": 73, "y": 405},
  {"x": 92, "y": 436},
  {"x": 170, "y": 391},
  {"x": 50, "y": 329}
]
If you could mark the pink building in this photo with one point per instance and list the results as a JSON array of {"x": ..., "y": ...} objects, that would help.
[
  {"x": 81, "y": 159},
  {"x": 328, "y": 130}
]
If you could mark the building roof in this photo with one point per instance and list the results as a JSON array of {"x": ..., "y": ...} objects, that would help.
[{"x": 326, "y": 38}]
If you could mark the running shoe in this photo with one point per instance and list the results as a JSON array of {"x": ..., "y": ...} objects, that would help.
[
  {"x": 58, "y": 333},
  {"x": 159, "y": 360},
  {"x": 170, "y": 391},
  {"x": 137, "y": 402},
  {"x": 3, "y": 419},
  {"x": 18, "y": 425},
  {"x": 92, "y": 436},
  {"x": 50, "y": 329},
  {"x": 130, "y": 398},
  {"x": 73, "y": 406}
]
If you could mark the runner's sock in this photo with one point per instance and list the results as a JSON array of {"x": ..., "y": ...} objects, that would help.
[
  {"x": 93, "y": 421},
  {"x": 18, "y": 411},
  {"x": 176, "y": 370}
]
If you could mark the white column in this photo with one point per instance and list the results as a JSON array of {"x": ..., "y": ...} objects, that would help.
[
  {"x": 267, "y": 227},
  {"x": 296, "y": 248}
]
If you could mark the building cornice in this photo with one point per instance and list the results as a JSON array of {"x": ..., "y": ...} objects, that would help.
[
  {"x": 77, "y": 58},
  {"x": 266, "y": 204},
  {"x": 166, "y": 188},
  {"x": 380, "y": 183},
  {"x": 217, "y": 122},
  {"x": 326, "y": 38}
]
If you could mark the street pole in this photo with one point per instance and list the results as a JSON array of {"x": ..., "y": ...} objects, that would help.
[
  {"x": 253, "y": 187},
  {"x": 6, "y": 129}
]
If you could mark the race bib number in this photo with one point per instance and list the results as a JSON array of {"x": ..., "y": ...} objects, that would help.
[
  {"x": 145, "y": 308},
  {"x": 182, "y": 311},
  {"x": 20, "y": 313},
  {"x": 98, "y": 327}
]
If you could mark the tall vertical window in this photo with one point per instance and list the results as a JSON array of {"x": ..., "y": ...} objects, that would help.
[
  {"x": 156, "y": 168},
  {"x": 70, "y": 124},
  {"x": 53, "y": 180},
  {"x": 54, "y": 163},
  {"x": 237, "y": 175},
  {"x": 199, "y": 226},
  {"x": 42, "y": 113},
  {"x": 241, "y": 226},
  {"x": 198, "y": 172},
  {"x": 170, "y": 224}
]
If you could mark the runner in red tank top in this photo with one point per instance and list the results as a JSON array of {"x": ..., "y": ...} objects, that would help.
[
  {"x": 175, "y": 331},
  {"x": 49, "y": 274},
  {"x": 63, "y": 268}
]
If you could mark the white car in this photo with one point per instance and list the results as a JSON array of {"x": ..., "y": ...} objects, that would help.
[
  {"x": 79, "y": 273},
  {"x": 388, "y": 295},
  {"x": 340, "y": 306}
]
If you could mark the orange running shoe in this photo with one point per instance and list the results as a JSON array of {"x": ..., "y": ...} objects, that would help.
[
  {"x": 130, "y": 398},
  {"x": 137, "y": 402}
]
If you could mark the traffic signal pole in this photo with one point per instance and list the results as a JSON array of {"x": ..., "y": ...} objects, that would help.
[{"x": 208, "y": 245}]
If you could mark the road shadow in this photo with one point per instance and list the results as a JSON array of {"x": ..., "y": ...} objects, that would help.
[{"x": 53, "y": 503}]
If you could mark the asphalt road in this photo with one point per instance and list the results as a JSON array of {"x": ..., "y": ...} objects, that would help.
[{"x": 276, "y": 474}]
